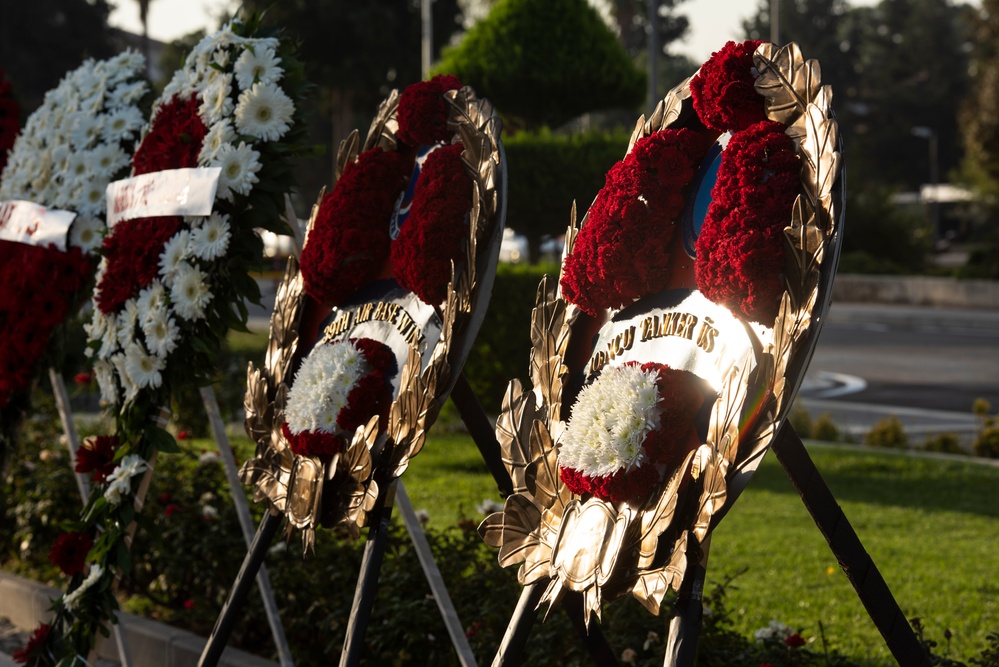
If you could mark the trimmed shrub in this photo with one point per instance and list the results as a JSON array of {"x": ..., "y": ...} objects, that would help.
[{"x": 888, "y": 433}]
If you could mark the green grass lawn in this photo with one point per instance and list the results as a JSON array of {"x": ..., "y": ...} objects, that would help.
[{"x": 931, "y": 526}]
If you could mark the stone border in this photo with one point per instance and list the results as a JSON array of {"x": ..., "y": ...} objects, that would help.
[{"x": 150, "y": 643}]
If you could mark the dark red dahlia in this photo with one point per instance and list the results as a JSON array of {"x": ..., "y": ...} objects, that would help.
[
  {"x": 723, "y": 92},
  {"x": 433, "y": 235},
  {"x": 96, "y": 455},
  {"x": 69, "y": 553},
  {"x": 38, "y": 638},
  {"x": 350, "y": 239},
  {"x": 423, "y": 111}
]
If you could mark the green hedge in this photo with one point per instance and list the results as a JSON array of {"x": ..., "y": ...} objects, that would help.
[
  {"x": 548, "y": 171},
  {"x": 503, "y": 347}
]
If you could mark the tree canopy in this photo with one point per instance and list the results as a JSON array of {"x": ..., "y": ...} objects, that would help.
[{"x": 545, "y": 62}]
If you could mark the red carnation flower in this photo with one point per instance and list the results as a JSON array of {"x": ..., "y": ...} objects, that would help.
[
  {"x": 423, "y": 111},
  {"x": 373, "y": 393},
  {"x": 350, "y": 239},
  {"x": 38, "y": 638},
  {"x": 432, "y": 237},
  {"x": 96, "y": 455},
  {"x": 740, "y": 251},
  {"x": 83, "y": 378},
  {"x": 312, "y": 443},
  {"x": 621, "y": 252},
  {"x": 795, "y": 641},
  {"x": 133, "y": 250},
  {"x": 722, "y": 91},
  {"x": 69, "y": 553},
  {"x": 174, "y": 139}
]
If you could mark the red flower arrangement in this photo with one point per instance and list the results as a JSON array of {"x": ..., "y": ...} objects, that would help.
[
  {"x": 677, "y": 401},
  {"x": 9, "y": 119},
  {"x": 795, "y": 641},
  {"x": 39, "y": 288},
  {"x": 423, "y": 111},
  {"x": 96, "y": 455},
  {"x": 37, "y": 640},
  {"x": 174, "y": 138},
  {"x": 347, "y": 247},
  {"x": 723, "y": 92},
  {"x": 436, "y": 221},
  {"x": 69, "y": 553},
  {"x": 350, "y": 242},
  {"x": 740, "y": 251},
  {"x": 133, "y": 249},
  {"x": 622, "y": 252},
  {"x": 370, "y": 394}
]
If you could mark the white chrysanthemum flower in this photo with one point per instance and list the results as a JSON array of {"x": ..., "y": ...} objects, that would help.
[
  {"x": 143, "y": 368},
  {"x": 72, "y": 598},
  {"x": 151, "y": 301},
  {"x": 79, "y": 165},
  {"x": 85, "y": 130},
  {"x": 211, "y": 239},
  {"x": 123, "y": 123},
  {"x": 174, "y": 252},
  {"x": 126, "y": 322},
  {"x": 216, "y": 99},
  {"x": 129, "y": 388},
  {"x": 264, "y": 111},
  {"x": 258, "y": 63},
  {"x": 110, "y": 158},
  {"x": 240, "y": 165},
  {"x": 189, "y": 293},
  {"x": 322, "y": 386},
  {"x": 610, "y": 421},
  {"x": 220, "y": 134},
  {"x": 104, "y": 372},
  {"x": 120, "y": 479},
  {"x": 161, "y": 333},
  {"x": 91, "y": 200},
  {"x": 86, "y": 233},
  {"x": 127, "y": 93}
]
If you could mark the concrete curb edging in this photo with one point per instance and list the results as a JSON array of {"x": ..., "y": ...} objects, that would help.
[{"x": 150, "y": 643}]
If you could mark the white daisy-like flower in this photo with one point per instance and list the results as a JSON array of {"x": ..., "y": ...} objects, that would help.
[
  {"x": 151, "y": 301},
  {"x": 85, "y": 130},
  {"x": 120, "y": 479},
  {"x": 161, "y": 333},
  {"x": 264, "y": 111},
  {"x": 610, "y": 421},
  {"x": 104, "y": 372},
  {"x": 257, "y": 63},
  {"x": 174, "y": 252},
  {"x": 216, "y": 100},
  {"x": 127, "y": 93},
  {"x": 240, "y": 165},
  {"x": 220, "y": 134},
  {"x": 126, "y": 321},
  {"x": 91, "y": 199},
  {"x": 211, "y": 239},
  {"x": 322, "y": 386},
  {"x": 123, "y": 123},
  {"x": 143, "y": 368},
  {"x": 72, "y": 598},
  {"x": 129, "y": 388},
  {"x": 189, "y": 293},
  {"x": 86, "y": 233}
]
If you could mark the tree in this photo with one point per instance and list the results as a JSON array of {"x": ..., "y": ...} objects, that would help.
[
  {"x": 355, "y": 53},
  {"x": 41, "y": 40},
  {"x": 980, "y": 112},
  {"x": 545, "y": 62}
]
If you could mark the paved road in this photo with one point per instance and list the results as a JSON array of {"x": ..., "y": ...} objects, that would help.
[{"x": 924, "y": 365}]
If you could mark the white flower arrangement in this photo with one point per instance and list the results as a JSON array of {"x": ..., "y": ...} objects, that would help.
[
  {"x": 610, "y": 420},
  {"x": 322, "y": 386},
  {"x": 78, "y": 141},
  {"x": 120, "y": 480}
]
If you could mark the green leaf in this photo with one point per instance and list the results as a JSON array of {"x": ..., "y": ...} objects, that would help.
[{"x": 162, "y": 440}]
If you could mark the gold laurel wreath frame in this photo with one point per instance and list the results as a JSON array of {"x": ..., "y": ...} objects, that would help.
[
  {"x": 296, "y": 485},
  {"x": 605, "y": 551}
]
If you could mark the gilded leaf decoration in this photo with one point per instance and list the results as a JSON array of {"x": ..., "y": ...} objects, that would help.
[
  {"x": 350, "y": 482},
  {"x": 604, "y": 550}
]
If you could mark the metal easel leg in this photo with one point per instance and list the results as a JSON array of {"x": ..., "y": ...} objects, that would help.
[
  {"x": 846, "y": 546},
  {"x": 519, "y": 629},
  {"x": 685, "y": 625},
  {"x": 246, "y": 523}
]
